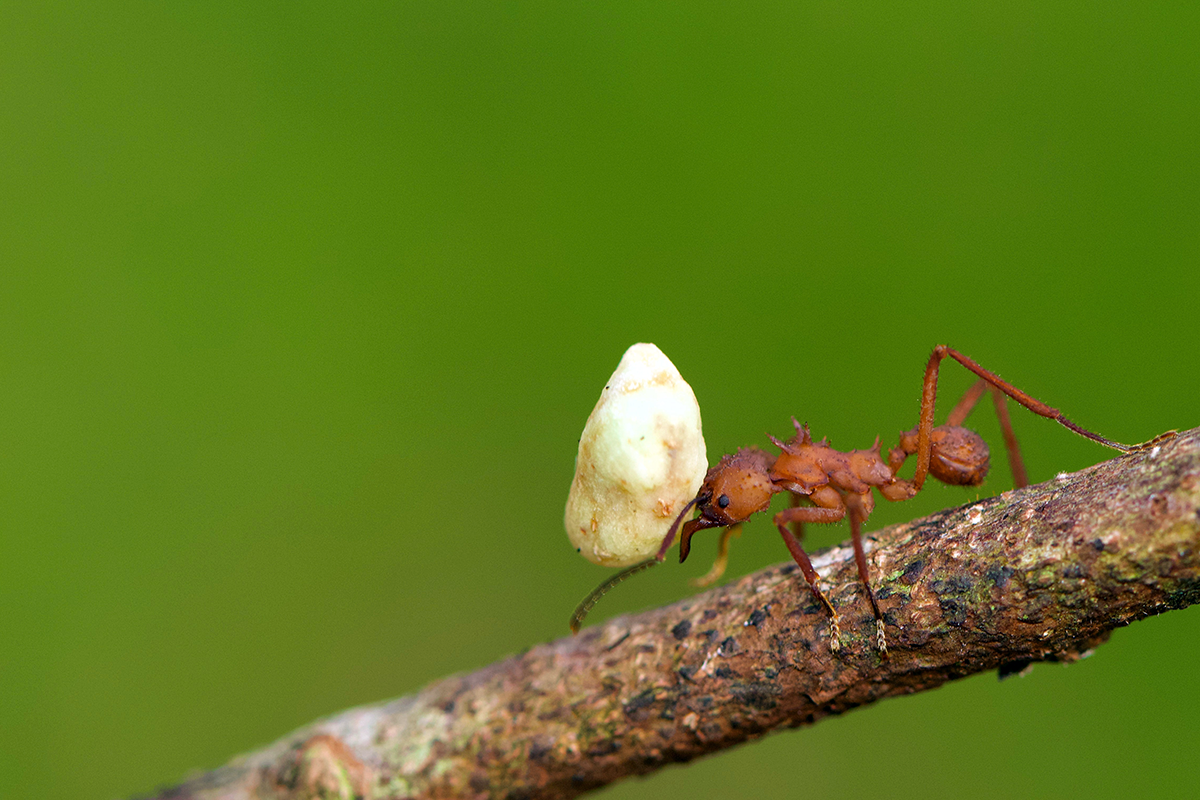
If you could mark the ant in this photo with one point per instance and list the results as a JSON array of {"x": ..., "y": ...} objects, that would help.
[{"x": 827, "y": 485}]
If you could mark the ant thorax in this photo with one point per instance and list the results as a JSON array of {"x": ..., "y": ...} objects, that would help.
[{"x": 804, "y": 465}]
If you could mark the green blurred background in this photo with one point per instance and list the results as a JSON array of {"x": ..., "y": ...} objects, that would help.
[{"x": 303, "y": 307}]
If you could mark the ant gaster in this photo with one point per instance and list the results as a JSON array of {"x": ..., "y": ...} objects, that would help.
[{"x": 827, "y": 485}]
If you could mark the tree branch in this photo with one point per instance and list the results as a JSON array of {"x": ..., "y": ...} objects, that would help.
[{"x": 1043, "y": 573}]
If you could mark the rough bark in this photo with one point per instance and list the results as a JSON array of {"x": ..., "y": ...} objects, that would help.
[{"x": 1043, "y": 573}]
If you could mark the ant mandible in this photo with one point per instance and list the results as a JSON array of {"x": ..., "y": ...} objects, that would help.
[{"x": 827, "y": 485}]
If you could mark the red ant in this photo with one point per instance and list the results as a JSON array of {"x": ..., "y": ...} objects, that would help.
[{"x": 833, "y": 484}]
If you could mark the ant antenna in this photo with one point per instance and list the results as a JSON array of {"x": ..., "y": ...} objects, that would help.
[
  {"x": 669, "y": 539},
  {"x": 583, "y": 608},
  {"x": 590, "y": 601}
]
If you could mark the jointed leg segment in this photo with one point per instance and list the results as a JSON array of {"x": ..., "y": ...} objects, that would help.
[
  {"x": 963, "y": 409},
  {"x": 811, "y": 514},
  {"x": 929, "y": 395},
  {"x": 858, "y": 515},
  {"x": 722, "y": 561}
]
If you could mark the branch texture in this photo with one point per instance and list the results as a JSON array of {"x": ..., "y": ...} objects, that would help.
[{"x": 1043, "y": 573}]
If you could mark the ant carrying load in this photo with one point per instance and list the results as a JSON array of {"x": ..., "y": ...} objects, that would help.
[{"x": 827, "y": 485}]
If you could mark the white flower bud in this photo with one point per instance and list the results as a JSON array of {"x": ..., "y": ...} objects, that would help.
[{"x": 641, "y": 459}]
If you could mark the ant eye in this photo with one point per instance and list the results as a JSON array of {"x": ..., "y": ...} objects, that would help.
[{"x": 723, "y": 500}]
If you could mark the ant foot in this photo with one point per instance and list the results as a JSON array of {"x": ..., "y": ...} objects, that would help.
[
  {"x": 835, "y": 635},
  {"x": 1155, "y": 442}
]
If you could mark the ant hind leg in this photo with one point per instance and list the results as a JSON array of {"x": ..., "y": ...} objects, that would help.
[
  {"x": 960, "y": 412},
  {"x": 929, "y": 395}
]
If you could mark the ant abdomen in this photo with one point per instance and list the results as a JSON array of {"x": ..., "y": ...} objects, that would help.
[{"x": 960, "y": 456}]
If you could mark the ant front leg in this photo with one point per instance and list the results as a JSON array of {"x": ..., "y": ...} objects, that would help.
[
  {"x": 929, "y": 395},
  {"x": 812, "y": 514},
  {"x": 722, "y": 561}
]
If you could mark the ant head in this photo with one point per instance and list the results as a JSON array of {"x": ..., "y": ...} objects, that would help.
[{"x": 737, "y": 487}]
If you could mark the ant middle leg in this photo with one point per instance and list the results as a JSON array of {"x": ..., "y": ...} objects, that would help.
[
  {"x": 817, "y": 514},
  {"x": 860, "y": 508},
  {"x": 929, "y": 396}
]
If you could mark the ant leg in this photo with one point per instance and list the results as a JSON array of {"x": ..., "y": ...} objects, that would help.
[
  {"x": 1156, "y": 441},
  {"x": 967, "y": 404},
  {"x": 1015, "y": 462},
  {"x": 718, "y": 567},
  {"x": 797, "y": 526},
  {"x": 858, "y": 515},
  {"x": 929, "y": 395},
  {"x": 802, "y": 560},
  {"x": 964, "y": 407}
]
